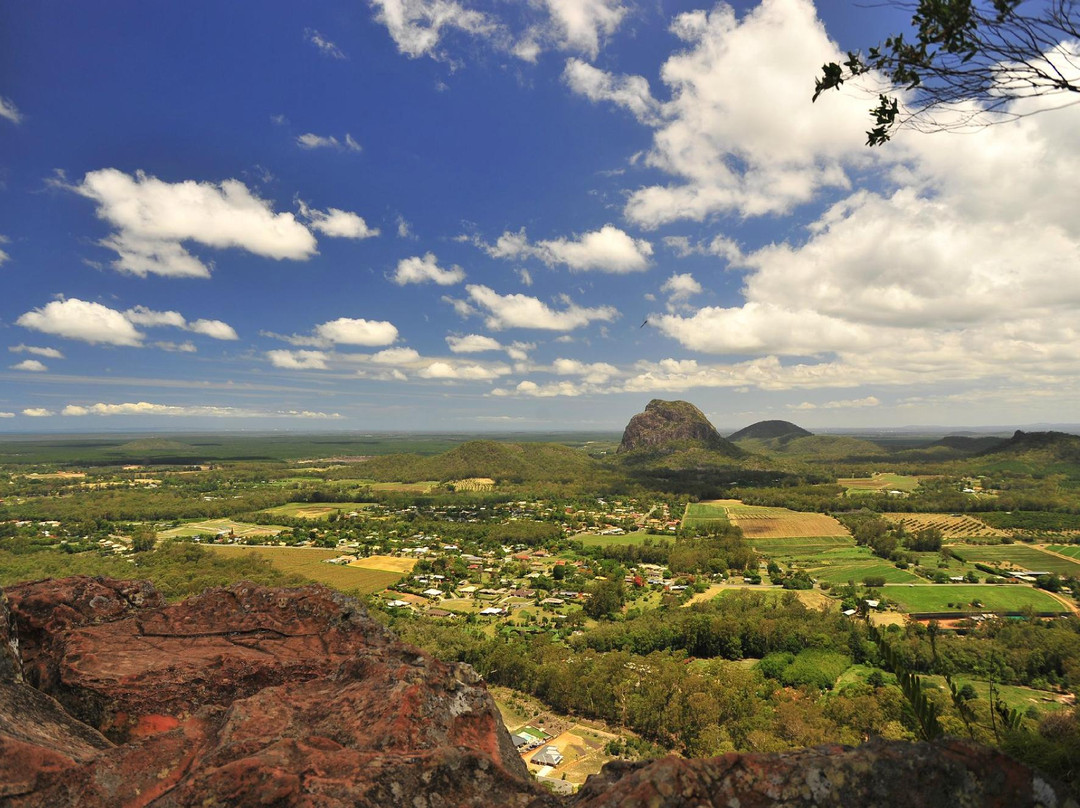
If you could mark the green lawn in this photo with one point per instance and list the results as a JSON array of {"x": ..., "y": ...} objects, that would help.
[
  {"x": 1021, "y": 555},
  {"x": 1003, "y": 598},
  {"x": 308, "y": 561},
  {"x": 637, "y": 537},
  {"x": 1070, "y": 550}
]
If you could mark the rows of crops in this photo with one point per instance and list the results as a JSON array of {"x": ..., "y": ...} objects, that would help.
[
  {"x": 1020, "y": 556},
  {"x": 952, "y": 526}
]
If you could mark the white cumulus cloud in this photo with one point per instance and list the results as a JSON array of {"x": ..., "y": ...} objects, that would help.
[
  {"x": 350, "y": 331},
  {"x": 297, "y": 360},
  {"x": 82, "y": 320},
  {"x": 337, "y": 223},
  {"x": 33, "y": 365},
  {"x": 522, "y": 311},
  {"x": 154, "y": 218},
  {"x": 416, "y": 26},
  {"x": 608, "y": 249},
  {"x": 473, "y": 343},
  {"x": 420, "y": 270},
  {"x": 48, "y": 353}
]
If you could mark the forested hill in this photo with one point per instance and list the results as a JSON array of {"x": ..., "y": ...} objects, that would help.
[
  {"x": 768, "y": 430},
  {"x": 502, "y": 462},
  {"x": 1055, "y": 452}
]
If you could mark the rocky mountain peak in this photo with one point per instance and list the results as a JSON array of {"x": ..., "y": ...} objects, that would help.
[{"x": 672, "y": 425}]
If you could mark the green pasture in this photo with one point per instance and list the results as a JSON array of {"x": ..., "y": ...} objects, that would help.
[
  {"x": 308, "y": 562},
  {"x": 1070, "y": 550},
  {"x": 1020, "y": 555},
  {"x": 937, "y": 597},
  {"x": 637, "y": 537}
]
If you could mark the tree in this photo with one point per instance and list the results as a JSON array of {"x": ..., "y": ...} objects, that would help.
[
  {"x": 969, "y": 60},
  {"x": 606, "y": 598},
  {"x": 143, "y": 538}
]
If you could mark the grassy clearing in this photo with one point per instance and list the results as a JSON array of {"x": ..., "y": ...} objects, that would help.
[
  {"x": 951, "y": 526},
  {"x": 937, "y": 597},
  {"x": 779, "y": 523},
  {"x": 1019, "y": 556},
  {"x": 1018, "y": 698},
  {"x": 637, "y": 537},
  {"x": 385, "y": 563},
  {"x": 216, "y": 526},
  {"x": 879, "y": 482},
  {"x": 1070, "y": 550},
  {"x": 313, "y": 510},
  {"x": 308, "y": 562}
]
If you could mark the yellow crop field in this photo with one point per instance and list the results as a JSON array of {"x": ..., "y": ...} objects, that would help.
[
  {"x": 387, "y": 563},
  {"x": 951, "y": 526},
  {"x": 758, "y": 522},
  {"x": 308, "y": 562}
]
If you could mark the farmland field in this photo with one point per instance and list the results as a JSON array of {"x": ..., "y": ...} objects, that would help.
[
  {"x": 699, "y": 513},
  {"x": 308, "y": 561},
  {"x": 315, "y": 510},
  {"x": 951, "y": 527},
  {"x": 778, "y": 523},
  {"x": 1070, "y": 550},
  {"x": 800, "y": 548},
  {"x": 879, "y": 482},
  {"x": 385, "y": 563},
  {"x": 473, "y": 484},
  {"x": 937, "y": 597},
  {"x": 840, "y": 567},
  {"x": 215, "y": 526},
  {"x": 1021, "y": 556}
]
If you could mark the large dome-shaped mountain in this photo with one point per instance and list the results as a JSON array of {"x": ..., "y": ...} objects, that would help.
[
  {"x": 767, "y": 430},
  {"x": 668, "y": 426}
]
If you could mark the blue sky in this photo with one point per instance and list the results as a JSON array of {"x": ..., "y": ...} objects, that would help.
[{"x": 456, "y": 215}]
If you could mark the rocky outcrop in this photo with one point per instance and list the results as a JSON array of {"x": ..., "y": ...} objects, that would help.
[
  {"x": 667, "y": 426},
  {"x": 254, "y": 696},
  {"x": 239, "y": 696},
  {"x": 770, "y": 430},
  {"x": 948, "y": 774}
]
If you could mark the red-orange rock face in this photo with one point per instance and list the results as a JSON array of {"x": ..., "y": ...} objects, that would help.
[{"x": 251, "y": 696}]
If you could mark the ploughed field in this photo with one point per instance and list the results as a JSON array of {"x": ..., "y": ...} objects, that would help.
[{"x": 759, "y": 522}]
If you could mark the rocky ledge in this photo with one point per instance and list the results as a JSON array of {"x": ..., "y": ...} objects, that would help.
[{"x": 253, "y": 696}]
